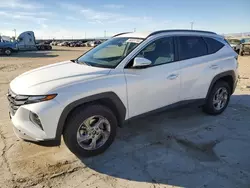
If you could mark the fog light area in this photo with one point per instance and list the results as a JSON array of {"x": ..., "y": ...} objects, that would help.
[{"x": 34, "y": 118}]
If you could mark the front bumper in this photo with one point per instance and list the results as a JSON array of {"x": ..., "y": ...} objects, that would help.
[
  {"x": 22, "y": 135},
  {"x": 48, "y": 112}
]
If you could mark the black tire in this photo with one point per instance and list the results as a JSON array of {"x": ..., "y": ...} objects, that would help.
[
  {"x": 8, "y": 51},
  {"x": 76, "y": 119},
  {"x": 42, "y": 48},
  {"x": 49, "y": 48},
  {"x": 209, "y": 108}
]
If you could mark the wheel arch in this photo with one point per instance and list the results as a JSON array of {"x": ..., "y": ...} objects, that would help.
[
  {"x": 109, "y": 99},
  {"x": 227, "y": 76}
]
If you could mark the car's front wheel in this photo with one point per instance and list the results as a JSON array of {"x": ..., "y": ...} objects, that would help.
[
  {"x": 218, "y": 98},
  {"x": 8, "y": 51},
  {"x": 90, "y": 130}
]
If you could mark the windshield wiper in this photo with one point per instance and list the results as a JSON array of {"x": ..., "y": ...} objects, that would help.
[{"x": 74, "y": 60}]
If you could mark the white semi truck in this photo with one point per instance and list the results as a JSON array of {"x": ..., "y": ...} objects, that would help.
[{"x": 26, "y": 41}]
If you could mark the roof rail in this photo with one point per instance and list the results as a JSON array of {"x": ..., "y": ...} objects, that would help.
[
  {"x": 120, "y": 34},
  {"x": 180, "y": 30}
]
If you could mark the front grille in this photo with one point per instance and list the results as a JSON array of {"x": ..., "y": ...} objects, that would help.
[{"x": 15, "y": 101}]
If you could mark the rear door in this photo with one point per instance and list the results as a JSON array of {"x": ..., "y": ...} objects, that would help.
[{"x": 198, "y": 65}]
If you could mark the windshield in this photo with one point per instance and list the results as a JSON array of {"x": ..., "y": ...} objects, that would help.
[
  {"x": 110, "y": 53},
  {"x": 233, "y": 41}
]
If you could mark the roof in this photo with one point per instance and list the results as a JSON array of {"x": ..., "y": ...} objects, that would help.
[
  {"x": 147, "y": 34},
  {"x": 134, "y": 34}
]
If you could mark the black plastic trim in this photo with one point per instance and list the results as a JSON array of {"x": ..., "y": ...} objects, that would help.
[
  {"x": 120, "y": 34},
  {"x": 46, "y": 143},
  {"x": 121, "y": 109},
  {"x": 180, "y": 30},
  {"x": 221, "y": 75},
  {"x": 192, "y": 102}
]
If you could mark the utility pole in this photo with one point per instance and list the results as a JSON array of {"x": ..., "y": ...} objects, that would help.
[
  {"x": 85, "y": 35},
  {"x": 14, "y": 32},
  {"x": 192, "y": 24},
  {"x": 105, "y": 32},
  {"x": 134, "y": 29}
]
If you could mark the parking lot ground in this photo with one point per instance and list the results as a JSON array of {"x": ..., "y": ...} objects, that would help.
[{"x": 179, "y": 148}]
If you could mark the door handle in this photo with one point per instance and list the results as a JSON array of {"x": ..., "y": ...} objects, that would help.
[
  {"x": 172, "y": 76},
  {"x": 214, "y": 67}
]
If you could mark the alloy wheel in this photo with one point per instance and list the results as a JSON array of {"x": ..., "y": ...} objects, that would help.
[
  {"x": 93, "y": 132},
  {"x": 220, "y": 98}
]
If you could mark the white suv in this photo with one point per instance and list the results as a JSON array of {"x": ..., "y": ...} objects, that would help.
[{"x": 129, "y": 75}]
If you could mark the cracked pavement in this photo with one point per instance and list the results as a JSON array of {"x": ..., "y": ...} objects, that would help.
[{"x": 179, "y": 148}]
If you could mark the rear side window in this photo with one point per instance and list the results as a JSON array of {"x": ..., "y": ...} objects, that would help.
[
  {"x": 191, "y": 47},
  {"x": 213, "y": 45}
]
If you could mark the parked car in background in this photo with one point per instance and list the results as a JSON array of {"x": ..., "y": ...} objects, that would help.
[
  {"x": 78, "y": 44},
  {"x": 54, "y": 43},
  {"x": 81, "y": 100},
  {"x": 72, "y": 44},
  {"x": 245, "y": 40},
  {"x": 7, "y": 47},
  {"x": 94, "y": 43},
  {"x": 43, "y": 46},
  {"x": 244, "y": 48},
  {"x": 65, "y": 43},
  {"x": 235, "y": 44},
  {"x": 91, "y": 44},
  {"x": 85, "y": 44}
]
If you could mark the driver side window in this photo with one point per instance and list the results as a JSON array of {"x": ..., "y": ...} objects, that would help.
[{"x": 160, "y": 51}]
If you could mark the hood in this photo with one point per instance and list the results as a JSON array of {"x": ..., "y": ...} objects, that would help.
[{"x": 44, "y": 79}]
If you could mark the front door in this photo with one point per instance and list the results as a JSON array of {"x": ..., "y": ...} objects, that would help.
[{"x": 157, "y": 85}]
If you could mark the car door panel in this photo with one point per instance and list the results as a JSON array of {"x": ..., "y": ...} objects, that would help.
[
  {"x": 155, "y": 86},
  {"x": 152, "y": 88},
  {"x": 198, "y": 65},
  {"x": 196, "y": 74}
]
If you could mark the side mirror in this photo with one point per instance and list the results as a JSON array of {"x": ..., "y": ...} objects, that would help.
[{"x": 141, "y": 62}]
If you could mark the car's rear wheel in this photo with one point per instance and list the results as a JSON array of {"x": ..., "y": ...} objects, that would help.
[
  {"x": 218, "y": 98},
  {"x": 90, "y": 131}
]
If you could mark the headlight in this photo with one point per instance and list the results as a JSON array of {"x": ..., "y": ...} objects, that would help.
[{"x": 34, "y": 99}]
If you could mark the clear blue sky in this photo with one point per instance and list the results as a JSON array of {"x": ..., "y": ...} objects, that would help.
[{"x": 74, "y": 18}]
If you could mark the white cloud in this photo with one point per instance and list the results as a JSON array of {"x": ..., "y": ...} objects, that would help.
[
  {"x": 108, "y": 17},
  {"x": 99, "y": 17},
  {"x": 70, "y": 6},
  {"x": 14, "y": 4},
  {"x": 23, "y": 16},
  {"x": 44, "y": 26},
  {"x": 113, "y": 6},
  {"x": 71, "y": 18}
]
